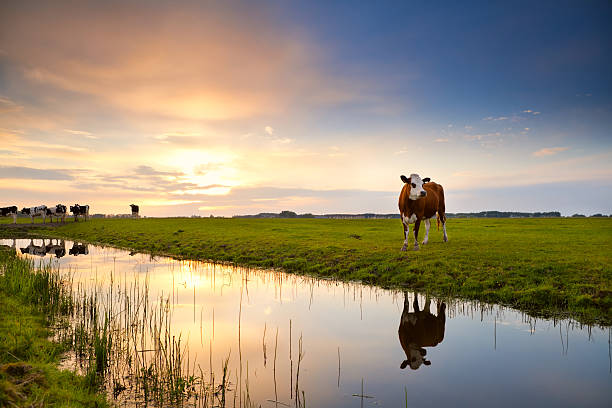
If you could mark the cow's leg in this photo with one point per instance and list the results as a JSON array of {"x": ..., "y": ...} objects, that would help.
[
  {"x": 406, "y": 230},
  {"x": 427, "y": 225},
  {"x": 415, "y": 304},
  {"x": 15, "y": 218},
  {"x": 427, "y": 307},
  {"x": 444, "y": 230},
  {"x": 417, "y": 224}
]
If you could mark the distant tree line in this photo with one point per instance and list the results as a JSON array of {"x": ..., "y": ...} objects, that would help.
[{"x": 481, "y": 214}]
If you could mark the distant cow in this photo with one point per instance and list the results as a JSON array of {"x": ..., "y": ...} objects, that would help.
[
  {"x": 59, "y": 211},
  {"x": 421, "y": 200},
  {"x": 79, "y": 249},
  {"x": 9, "y": 212},
  {"x": 35, "y": 212},
  {"x": 80, "y": 210},
  {"x": 135, "y": 210},
  {"x": 420, "y": 329}
]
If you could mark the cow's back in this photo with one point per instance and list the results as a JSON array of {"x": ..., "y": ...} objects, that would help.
[
  {"x": 435, "y": 196},
  {"x": 426, "y": 331}
]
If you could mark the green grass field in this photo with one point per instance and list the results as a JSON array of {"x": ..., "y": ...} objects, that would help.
[
  {"x": 547, "y": 267},
  {"x": 29, "y": 376}
]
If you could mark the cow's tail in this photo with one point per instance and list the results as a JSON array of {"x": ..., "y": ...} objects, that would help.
[{"x": 438, "y": 220}]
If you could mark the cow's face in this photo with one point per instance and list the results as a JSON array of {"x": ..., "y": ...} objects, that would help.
[
  {"x": 416, "y": 358},
  {"x": 416, "y": 187},
  {"x": 25, "y": 211}
]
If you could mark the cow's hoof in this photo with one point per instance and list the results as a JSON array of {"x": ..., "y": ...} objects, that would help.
[
  {"x": 416, "y": 248},
  {"x": 424, "y": 242},
  {"x": 445, "y": 239},
  {"x": 404, "y": 248}
]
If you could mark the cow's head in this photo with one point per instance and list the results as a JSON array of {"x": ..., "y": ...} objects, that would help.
[
  {"x": 416, "y": 357},
  {"x": 25, "y": 211},
  {"x": 415, "y": 184},
  {"x": 74, "y": 208},
  {"x": 60, "y": 208}
]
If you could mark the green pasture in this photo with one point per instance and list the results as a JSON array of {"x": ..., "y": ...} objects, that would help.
[
  {"x": 29, "y": 376},
  {"x": 556, "y": 266}
]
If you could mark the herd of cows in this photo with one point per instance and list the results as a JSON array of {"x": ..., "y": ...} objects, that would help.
[{"x": 58, "y": 211}]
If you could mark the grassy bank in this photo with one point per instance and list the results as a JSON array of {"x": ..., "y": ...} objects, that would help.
[
  {"x": 29, "y": 376},
  {"x": 542, "y": 266}
]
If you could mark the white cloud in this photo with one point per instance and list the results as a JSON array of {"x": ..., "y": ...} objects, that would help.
[
  {"x": 7, "y": 105},
  {"x": 269, "y": 130},
  {"x": 549, "y": 151},
  {"x": 441, "y": 140},
  {"x": 81, "y": 133}
]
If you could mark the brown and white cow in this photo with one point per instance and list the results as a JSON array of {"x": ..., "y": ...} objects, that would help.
[
  {"x": 420, "y": 200},
  {"x": 419, "y": 329}
]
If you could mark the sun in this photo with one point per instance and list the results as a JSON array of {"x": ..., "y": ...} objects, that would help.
[{"x": 210, "y": 171}]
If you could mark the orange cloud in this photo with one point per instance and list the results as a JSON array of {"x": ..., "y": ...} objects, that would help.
[
  {"x": 549, "y": 151},
  {"x": 195, "y": 62}
]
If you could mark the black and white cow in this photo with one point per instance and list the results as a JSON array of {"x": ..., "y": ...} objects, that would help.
[
  {"x": 80, "y": 210},
  {"x": 79, "y": 249},
  {"x": 9, "y": 212},
  {"x": 59, "y": 211},
  {"x": 35, "y": 212},
  {"x": 135, "y": 210}
]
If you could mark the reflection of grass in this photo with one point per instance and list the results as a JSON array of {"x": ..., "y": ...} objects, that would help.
[
  {"x": 547, "y": 266},
  {"x": 28, "y": 360}
]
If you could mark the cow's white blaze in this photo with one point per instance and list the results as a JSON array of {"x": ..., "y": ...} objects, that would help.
[{"x": 416, "y": 187}]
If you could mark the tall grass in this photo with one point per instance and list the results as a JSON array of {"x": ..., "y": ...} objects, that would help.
[{"x": 120, "y": 339}]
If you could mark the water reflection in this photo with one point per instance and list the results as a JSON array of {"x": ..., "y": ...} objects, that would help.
[
  {"x": 419, "y": 329},
  {"x": 55, "y": 247},
  {"x": 341, "y": 334},
  {"x": 79, "y": 249}
]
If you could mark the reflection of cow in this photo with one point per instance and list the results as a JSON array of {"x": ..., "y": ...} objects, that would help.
[
  {"x": 38, "y": 250},
  {"x": 10, "y": 247},
  {"x": 420, "y": 329},
  {"x": 78, "y": 249},
  {"x": 58, "y": 249}
]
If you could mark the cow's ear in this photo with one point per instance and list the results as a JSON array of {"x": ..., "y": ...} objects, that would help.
[
  {"x": 404, "y": 364},
  {"x": 426, "y": 180},
  {"x": 405, "y": 179}
]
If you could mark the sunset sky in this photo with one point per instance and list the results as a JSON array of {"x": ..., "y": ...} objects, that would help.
[{"x": 242, "y": 107}]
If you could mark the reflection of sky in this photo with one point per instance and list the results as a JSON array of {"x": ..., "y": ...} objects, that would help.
[{"x": 493, "y": 357}]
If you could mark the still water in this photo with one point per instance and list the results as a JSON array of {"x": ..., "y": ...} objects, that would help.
[{"x": 361, "y": 346}]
